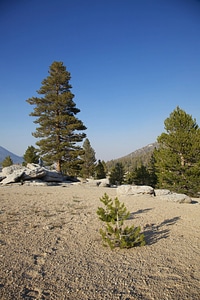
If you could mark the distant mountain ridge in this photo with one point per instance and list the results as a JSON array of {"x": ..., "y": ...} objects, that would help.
[
  {"x": 135, "y": 158},
  {"x": 138, "y": 154},
  {"x": 144, "y": 150},
  {"x": 15, "y": 158}
]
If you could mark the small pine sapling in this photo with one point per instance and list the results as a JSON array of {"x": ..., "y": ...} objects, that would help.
[
  {"x": 110, "y": 213},
  {"x": 115, "y": 234}
]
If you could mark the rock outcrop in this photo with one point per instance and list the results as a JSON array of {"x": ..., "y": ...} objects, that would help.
[
  {"x": 170, "y": 196},
  {"x": 162, "y": 194},
  {"x": 9, "y": 170},
  {"x": 134, "y": 190},
  {"x": 13, "y": 177},
  {"x": 32, "y": 172}
]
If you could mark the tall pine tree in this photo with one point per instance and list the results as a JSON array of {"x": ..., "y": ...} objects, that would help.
[
  {"x": 100, "y": 170},
  {"x": 89, "y": 160},
  {"x": 30, "y": 156},
  {"x": 117, "y": 174},
  {"x": 177, "y": 159},
  {"x": 59, "y": 130},
  {"x": 7, "y": 162}
]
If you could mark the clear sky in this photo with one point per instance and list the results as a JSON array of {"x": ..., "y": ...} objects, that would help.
[{"x": 132, "y": 62}]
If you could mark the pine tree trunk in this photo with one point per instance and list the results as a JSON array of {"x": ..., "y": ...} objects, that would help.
[{"x": 58, "y": 166}]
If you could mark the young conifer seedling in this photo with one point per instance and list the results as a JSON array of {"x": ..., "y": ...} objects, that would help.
[{"x": 115, "y": 234}]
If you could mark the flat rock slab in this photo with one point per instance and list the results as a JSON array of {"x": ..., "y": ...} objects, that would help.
[
  {"x": 174, "y": 197},
  {"x": 134, "y": 190}
]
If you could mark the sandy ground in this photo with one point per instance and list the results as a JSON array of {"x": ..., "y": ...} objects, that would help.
[{"x": 50, "y": 247}]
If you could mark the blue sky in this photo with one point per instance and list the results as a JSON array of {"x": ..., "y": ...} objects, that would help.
[{"x": 131, "y": 62}]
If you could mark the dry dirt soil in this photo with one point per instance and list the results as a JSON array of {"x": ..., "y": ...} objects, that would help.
[{"x": 50, "y": 247}]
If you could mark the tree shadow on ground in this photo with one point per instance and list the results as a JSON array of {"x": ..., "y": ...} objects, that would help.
[
  {"x": 139, "y": 211},
  {"x": 155, "y": 232}
]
